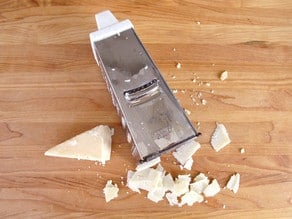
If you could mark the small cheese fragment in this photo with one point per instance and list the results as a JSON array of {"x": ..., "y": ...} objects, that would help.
[
  {"x": 171, "y": 198},
  {"x": 190, "y": 198},
  {"x": 242, "y": 150},
  {"x": 168, "y": 182},
  {"x": 178, "y": 65},
  {"x": 156, "y": 195},
  {"x": 224, "y": 75},
  {"x": 220, "y": 137},
  {"x": 233, "y": 183},
  {"x": 212, "y": 189},
  {"x": 147, "y": 179},
  {"x": 189, "y": 163},
  {"x": 200, "y": 183},
  {"x": 94, "y": 145},
  {"x": 184, "y": 153},
  {"x": 110, "y": 191},
  {"x": 148, "y": 164},
  {"x": 181, "y": 184}
]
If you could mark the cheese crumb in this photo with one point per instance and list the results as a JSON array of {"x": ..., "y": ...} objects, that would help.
[
  {"x": 204, "y": 102},
  {"x": 187, "y": 111},
  {"x": 174, "y": 91},
  {"x": 220, "y": 138},
  {"x": 233, "y": 183},
  {"x": 224, "y": 75},
  {"x": 110, "y": 191},
  {"x": 212, "y": 189},
  {"x": 178, "y": 65},
  {"x": 242, "y": 150}
]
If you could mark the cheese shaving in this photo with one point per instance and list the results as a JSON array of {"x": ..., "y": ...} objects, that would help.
[
  {"x": 212, "y": 189},
  {"x": 190, "y": 198},
  {"x": 184, "y": 153},
  {"x": 220, "y": 138},
  {"x": 110, "y": 191},
  {"x": 233, "y": 183}
]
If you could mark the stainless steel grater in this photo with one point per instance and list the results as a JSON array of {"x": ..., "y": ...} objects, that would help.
[{"x": 154, "y": 120}]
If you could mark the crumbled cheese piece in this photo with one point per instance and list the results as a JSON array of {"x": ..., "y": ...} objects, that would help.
[
  {"x": 186, "y": 151},
  {"x": 200, "y": 183},
  {"x": 148, "y": 164},
  {"x": 173, "y": 77},
  {"x": 190, "y": 198},
  {"x": 187, "y": 111},
  {"x": 94, "y": 145},
  {"x": 198, "y": 23},
  {"x": 189, "y": 163},
  {"x": 156, "y": 195},
  {"x": 131, "y": 184},
  {"x": 224, "y": 206},
  {"x": 204, "y": 102},
  {"x": 174, "y": 91},
  {"x": 212, "y": 189},
  {"x": 178, "y": 65},
  {"x": 194, "y": 80},
  {"x": 224, "y": 75},
  {"x": 110, "y": 191},
  {"x": 220, "y": 138},
  {"x": 168, "y": 182},
  {"x": 181, "y": 184},
  {"x": 147, "y": 179},
  {"x": 208, "y": 84},
  {"x": 172, "y": 198},
  {"x": 233, "y": 183},
  {"x": 242, "y": 150}
]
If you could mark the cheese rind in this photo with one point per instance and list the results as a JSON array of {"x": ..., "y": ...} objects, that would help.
[{"x": 94, "y": 145}]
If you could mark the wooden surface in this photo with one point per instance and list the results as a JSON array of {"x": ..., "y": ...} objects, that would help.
[{"x": 51, "y": 89}]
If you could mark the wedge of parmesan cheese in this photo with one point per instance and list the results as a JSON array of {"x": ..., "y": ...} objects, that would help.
[
  {"x": 184, "y": 153},
  {"x": 110, "y": 191},
  {"x": 233, "y": 183},
  {"x": 212, "y": 189},
  {"x": 220, "y": 138},
  {"x": 190, "y": 198},
  {"x": 94, "y": 145}
]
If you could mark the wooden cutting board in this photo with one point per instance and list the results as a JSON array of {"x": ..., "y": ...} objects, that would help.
[{"x": 51, "y": 89}]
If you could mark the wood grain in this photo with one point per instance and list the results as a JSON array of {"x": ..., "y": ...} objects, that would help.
[{"x": 51, "y": 89}]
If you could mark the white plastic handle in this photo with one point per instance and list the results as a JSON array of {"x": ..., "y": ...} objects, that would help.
[
  {"x": 105, "y": 19},
  {"x": 108, "y": 26}
]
